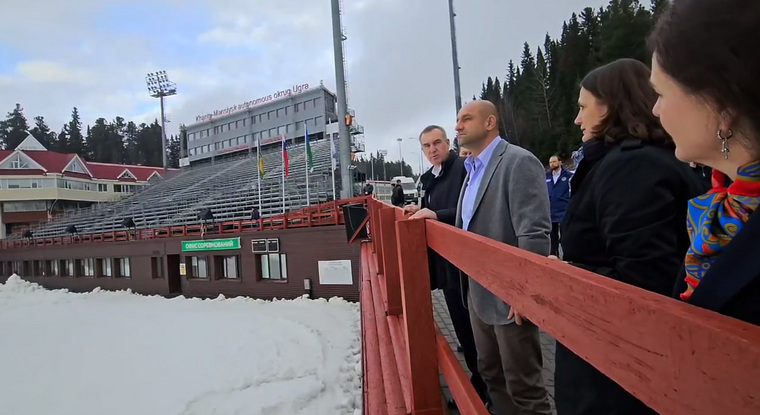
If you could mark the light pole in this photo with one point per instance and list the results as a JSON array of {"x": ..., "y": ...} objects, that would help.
[
  {"x": 383, "y": 153},
  {"x": 159, "y": 86},
  {"x": 420, "y": 149},
  {"x": 401, "y": 153},
  {"x": 455, "y": 62}
]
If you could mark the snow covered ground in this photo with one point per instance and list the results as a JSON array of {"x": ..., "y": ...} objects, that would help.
[{"x": 119, "y": 353}]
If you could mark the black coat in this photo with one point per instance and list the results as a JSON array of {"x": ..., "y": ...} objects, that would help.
[
  {"x": 441, "y": 195},
  {"x": 626, "y": 220},
  {"x": 732, "y": 286}
]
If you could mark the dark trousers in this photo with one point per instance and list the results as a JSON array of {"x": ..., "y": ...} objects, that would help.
[
  {"x": 510, "y": 361},
  {"x": 555, "y": 239},
  {"x": 580, "y": 389},
  {"x": 460, "y": 318}
]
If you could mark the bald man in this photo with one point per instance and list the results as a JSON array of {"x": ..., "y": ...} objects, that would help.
[{"x": 503, "y": 198}]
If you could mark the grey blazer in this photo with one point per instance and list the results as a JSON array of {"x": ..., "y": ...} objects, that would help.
[{"x": 511, "y": 206}]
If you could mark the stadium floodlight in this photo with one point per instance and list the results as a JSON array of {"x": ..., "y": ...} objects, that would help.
[{"x": 159, "y": 86}]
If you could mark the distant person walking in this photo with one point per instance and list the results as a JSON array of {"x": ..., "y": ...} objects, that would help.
[
  {"x": 558, "y": 185},
  {"x": 397, "y": 197}
]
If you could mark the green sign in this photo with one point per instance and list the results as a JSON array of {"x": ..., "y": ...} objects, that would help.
[{"x": 211, "y": 245}]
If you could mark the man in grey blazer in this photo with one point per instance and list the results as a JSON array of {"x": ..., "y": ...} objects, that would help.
[{"x": 503, "y": 198}]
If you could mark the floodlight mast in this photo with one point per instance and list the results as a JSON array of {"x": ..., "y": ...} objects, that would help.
[{"x": 159, "y": 86}]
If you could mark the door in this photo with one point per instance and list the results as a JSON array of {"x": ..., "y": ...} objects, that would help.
[{"x": 175, "y": 279}]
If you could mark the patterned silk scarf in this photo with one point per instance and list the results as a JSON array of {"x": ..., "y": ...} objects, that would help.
[{"x": 716, "y": 217}]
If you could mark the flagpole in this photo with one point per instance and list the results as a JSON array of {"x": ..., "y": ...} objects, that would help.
[
  {"x": 283, "y": 174},
  {"x": 258, "y": 169},
  {"x": 306, "y": 157},
  {"x": 332, "y": 162}
]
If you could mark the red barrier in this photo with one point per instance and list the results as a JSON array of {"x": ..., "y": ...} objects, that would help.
[{"x": 676, "y": 358}]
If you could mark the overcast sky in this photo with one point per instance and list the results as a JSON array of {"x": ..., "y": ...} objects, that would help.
[{"x": 94, "y": 54}]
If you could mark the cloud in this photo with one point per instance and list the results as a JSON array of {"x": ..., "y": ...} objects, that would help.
[{"x": 398, "y": 53}]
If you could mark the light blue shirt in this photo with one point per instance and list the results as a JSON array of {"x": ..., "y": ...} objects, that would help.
[{"x": 475, "y": 167}]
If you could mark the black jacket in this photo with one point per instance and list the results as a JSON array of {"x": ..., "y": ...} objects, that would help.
[
  {"x": 732, "y": 286},
  {"x": 441, "y": 195},
  {"x": 626, "y": 220}
]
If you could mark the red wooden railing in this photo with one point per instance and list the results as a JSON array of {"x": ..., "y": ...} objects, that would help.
[
  {"x": 676, "y": 358},
  {"x": 325, "y": 214}
]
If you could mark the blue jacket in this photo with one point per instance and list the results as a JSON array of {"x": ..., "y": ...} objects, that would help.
[{"x": 559, "y": 194}]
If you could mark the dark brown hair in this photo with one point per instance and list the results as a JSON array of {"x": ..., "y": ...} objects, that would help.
[
  {"x": 623, "y": 86},
  {"x": 709, "y": 47}
]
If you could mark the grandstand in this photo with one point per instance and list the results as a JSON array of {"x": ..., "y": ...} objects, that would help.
[{"x": 228, "y": 187}]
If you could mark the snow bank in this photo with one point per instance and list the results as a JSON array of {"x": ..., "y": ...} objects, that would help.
[{"x": 122, "y": 353}]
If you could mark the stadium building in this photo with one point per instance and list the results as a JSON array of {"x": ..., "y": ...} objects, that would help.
[
  {"x": 287, "y": 114},
  {"x": 37, "y": 184}
]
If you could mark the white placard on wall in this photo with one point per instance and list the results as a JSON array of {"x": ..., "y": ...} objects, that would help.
[{"x": 335, "y": 272}]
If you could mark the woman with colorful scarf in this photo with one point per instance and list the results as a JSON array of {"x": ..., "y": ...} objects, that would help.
[
  {"x": 627, "y": 216},
  {"x": 705, "y": 68}
]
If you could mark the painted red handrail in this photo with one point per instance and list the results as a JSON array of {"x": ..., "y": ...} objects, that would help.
[
  {"x": 325, "y": 214},
  {"x": 678, "y": 359}
]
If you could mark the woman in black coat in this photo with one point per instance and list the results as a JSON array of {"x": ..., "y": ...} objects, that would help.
[
  {"x": 627, "y": 216},
  {"x": 709, "y": 101}
]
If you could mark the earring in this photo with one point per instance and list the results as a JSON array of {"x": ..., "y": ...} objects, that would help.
[{"x": 724, "y": 142}]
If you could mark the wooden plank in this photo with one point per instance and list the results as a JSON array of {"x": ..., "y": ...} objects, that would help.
[
  {"x": 464, "y": 394},
  {"x": 676, "y": 358},
  {"x": 398, "y": 338},
  {"x": 418, "y": 317},
  {"x": 390, "y": 260},
  {"x": 377, "y": 238},
  {"x": 373, "y": 372},
  {"x": 393, "y": 394}
]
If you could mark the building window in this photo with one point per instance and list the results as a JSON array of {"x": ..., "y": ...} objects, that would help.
[
  {"x": 51, "y": 268},
  {"x": 298, "y": 106},
  {"x": 270, "y": 115},
  {"x": 123, "y": 267},
  {"x": 281, "y": 131},
  {"x": 228, "y": 266},
  {"x": 317, "y": 101},
  {"x": 157, "y": 264},
  {"x": 67, "y": 268},
  {"x": 198, "y": 267},
  {"x": 274, "y": 266},
  {"x": 39, "y": 268},
  {"x": 318, "y": 122},
  {"x": 102, "y": 187},
  {"x": 88, "y": 267},
  {"x": 18, "y": 162},
  {"x": 106, "y": 267}
]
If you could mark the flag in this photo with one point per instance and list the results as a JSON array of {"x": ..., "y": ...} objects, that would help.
[
  {"x": 258, "y": 154},
  {"x": 285, "y": 160},
  {"x": 334, "y": 152},
  {"x": 309, "y": 157}
]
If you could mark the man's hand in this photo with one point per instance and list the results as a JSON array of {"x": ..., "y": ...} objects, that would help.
[
  {"x": 516, "y": 315},
  {"x": 557, "y": 258},
  {"x": 411, "y": 209},
  {"x": 424, "y": 214}
]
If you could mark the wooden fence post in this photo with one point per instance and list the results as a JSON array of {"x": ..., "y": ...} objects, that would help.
[
  {"x": 418, "y": 317},
  {"x": 390, "y": 260}
]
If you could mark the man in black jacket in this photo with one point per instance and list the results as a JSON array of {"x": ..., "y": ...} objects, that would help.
[{"x": 441, "y": 185}]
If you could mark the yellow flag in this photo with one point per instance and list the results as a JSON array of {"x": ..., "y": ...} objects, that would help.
[{"x": 261, "y": 165}]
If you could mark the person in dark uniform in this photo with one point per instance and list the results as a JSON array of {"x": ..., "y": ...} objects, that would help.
[
  {"x": 558, "y": 185},
  {"x": 441, "y": 185},
  {"x": 397, "y": 195},
  {"x": 627, "y": 216}
]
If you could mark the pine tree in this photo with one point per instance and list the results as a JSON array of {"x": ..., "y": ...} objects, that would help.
[
  {"x": 42, "y": 132},
  {"x": 174, "y": 150},
  {"x": 75, "y": 140},
  {"x": 14, "y": 129}
]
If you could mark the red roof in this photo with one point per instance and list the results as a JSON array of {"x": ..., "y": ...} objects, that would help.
[{"x": 55, "y": 162}]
